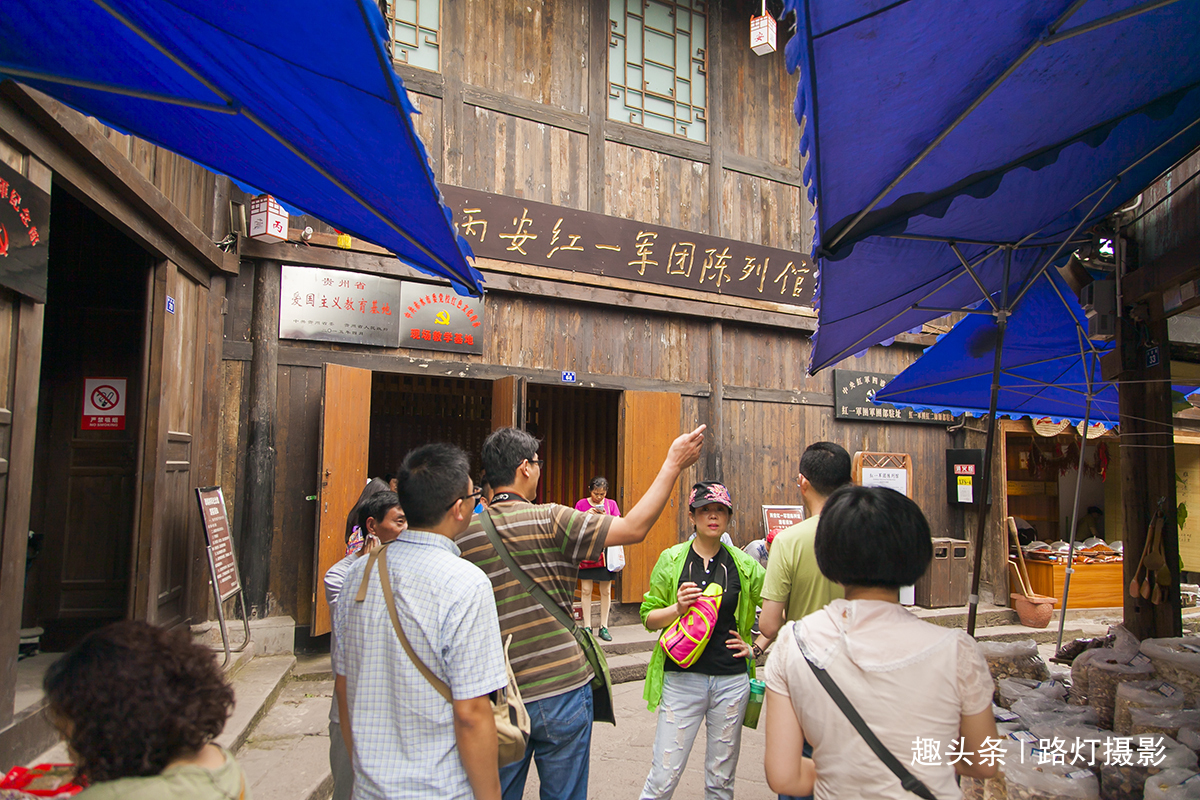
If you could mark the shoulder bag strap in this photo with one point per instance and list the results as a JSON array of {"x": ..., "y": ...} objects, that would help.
[
  {"x": 527, "y": 583},
  {"x": 378, "y": 559},
  {"x": 910, "y": 782}
]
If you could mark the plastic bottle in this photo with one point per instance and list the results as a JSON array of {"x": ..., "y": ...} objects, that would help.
[{"x": 758, "y": 690}]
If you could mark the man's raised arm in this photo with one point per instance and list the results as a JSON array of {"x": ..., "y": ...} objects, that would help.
[{"x": 633, "y": 527}]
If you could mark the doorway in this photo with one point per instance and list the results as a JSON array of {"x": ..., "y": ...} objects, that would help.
[
  {"x": 578, "y": 429},
  {"x": 82, "y": 512}
]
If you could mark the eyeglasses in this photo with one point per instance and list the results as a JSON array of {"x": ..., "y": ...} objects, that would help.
[
  {"x": 475, "y": 495},
  {"x": 537, "y": 461}
]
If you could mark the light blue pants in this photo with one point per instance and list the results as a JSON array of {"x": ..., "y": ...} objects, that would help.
[{"x": 687, "y": 700}]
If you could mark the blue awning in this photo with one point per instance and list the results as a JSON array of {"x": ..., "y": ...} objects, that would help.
[
  {"x": 930, "y": 123},
  {"x": 298, "y": 99},
  {"x": 1047, "y": 368}
]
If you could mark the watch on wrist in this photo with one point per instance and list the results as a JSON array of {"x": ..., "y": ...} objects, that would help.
[{"x": 758, "y": 651}]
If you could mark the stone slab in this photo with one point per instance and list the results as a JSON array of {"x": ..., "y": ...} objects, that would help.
[{"x": 255, "y": 687}]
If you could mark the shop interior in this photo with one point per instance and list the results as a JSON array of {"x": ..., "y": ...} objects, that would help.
[
  {"x": 577, "y": 426},
  {"x": 1041, "y": 463}
]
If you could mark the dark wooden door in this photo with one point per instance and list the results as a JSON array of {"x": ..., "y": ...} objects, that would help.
[
  {"x": 508, "y": 402},
  {"x": 345, "y": 438},
  {"x": 649, "y": 423}
]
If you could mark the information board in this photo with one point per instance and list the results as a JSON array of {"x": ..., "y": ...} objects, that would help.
[
  {"x": 780, "y": 518},
  {"x": 227, "y": 581}
]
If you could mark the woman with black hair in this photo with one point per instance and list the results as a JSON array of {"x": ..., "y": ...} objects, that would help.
[
  {"x": 603, "y": 571},
  {"x": 139, "y": 707},
  {"x": 909, "y": 680}
]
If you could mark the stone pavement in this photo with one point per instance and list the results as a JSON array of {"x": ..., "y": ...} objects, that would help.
[{"x": 621, "y": 755}]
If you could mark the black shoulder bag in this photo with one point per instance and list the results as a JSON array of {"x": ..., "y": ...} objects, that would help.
[
  {"x": 910, "y": 782},
  {"x": 602, "y": 699}
]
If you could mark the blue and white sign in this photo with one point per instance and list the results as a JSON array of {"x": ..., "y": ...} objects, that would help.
[
  {"x": 170, "y": 304},
  {"x": 568, "y": 377}
]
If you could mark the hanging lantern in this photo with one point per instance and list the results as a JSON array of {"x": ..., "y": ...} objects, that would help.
[
  {"x": 762, "y": 33},
  {"x": 268, "y": 220}
]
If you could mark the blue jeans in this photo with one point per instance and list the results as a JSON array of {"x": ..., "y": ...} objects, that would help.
[
  {"x": 807, "y": 753},
  {"x": 560, "y": 740},
  {"x": 687, "y": 700}
]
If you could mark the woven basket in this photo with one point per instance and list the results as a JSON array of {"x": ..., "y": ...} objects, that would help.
[{"x": 1035, "y": 611}]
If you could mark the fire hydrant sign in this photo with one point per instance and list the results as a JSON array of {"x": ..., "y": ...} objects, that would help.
[{"x": 103, "y": 404}]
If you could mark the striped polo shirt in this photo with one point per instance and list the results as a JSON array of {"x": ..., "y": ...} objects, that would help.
[{"x": 547, "y": 542}]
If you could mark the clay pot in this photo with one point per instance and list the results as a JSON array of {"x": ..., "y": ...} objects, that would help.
[{"x": 1035, "y": 611}]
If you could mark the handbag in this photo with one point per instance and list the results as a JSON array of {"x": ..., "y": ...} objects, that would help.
[
  {"x": 910, "y": 782},
  {"x": 603, "y": 709},
  {"x": 512, "y": 720},
  {"x": 685, "y": 639},
  {"x": 599, "y": 562}
]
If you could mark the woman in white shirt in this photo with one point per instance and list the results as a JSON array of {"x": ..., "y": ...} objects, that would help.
[{"x": 924, "y": 690}]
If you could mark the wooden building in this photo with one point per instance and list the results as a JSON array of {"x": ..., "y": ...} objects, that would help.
[
  {"x": 634, "y": 130},
  {"x": 527, "y": 114},
  {"x": 99, "y": 525}
]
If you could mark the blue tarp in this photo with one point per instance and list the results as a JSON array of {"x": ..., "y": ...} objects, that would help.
[
  {"x": 1083, "y": 115},
  {"x": 296, "y": 98},
  {"x": 1045, "y": 365}
]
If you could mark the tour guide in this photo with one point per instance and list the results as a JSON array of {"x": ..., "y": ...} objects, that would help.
[{"x": 548, "y": 542}]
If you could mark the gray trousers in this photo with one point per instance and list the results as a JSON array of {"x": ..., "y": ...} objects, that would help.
[{"x": 340, "y": 764}]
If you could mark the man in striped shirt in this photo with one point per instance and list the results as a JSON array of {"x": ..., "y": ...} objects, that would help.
[{"x": 548, "y": 542}]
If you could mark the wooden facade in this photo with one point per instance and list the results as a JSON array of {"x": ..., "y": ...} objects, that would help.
[
  {"x": 519, "y": 109},
  {"x": 101, "y": 525}
]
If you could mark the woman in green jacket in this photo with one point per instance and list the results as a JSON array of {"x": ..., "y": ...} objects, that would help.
[{"x": 716, "y": 687}]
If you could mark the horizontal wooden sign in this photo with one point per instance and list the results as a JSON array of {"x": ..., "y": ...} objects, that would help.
[
  {"x": 852, "y": 393},
  {"x": 512, "y": 229}
]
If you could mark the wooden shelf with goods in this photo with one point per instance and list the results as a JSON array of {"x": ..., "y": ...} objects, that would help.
[{"x": 1092, "y": 585}]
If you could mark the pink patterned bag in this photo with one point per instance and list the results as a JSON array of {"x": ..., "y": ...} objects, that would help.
[{"x": 684, "y": 639}]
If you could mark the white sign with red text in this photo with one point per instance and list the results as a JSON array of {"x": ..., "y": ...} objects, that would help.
[{"x": 103, "y": 404}]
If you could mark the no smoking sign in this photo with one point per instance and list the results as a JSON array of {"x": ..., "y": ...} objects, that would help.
[{"x": 103, "y": 404}]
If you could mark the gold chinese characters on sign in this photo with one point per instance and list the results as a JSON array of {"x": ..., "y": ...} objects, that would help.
[{"x": 512, "y": 229}]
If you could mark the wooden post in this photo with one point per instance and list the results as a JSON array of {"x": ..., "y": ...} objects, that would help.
[
  {"x": 258, "y": 521},
  {"x": 14, "y": 503},
  {"x": 1148, "y": 474},
  {"x": 714, "y": 466}
]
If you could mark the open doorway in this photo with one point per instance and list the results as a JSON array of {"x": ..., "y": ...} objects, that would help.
[
  {"x": 408, "y": 411},
  {"x": 82, "y": 513},
  {"x": 578, "y": 429}
]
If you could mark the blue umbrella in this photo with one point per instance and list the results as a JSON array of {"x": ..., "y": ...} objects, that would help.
[
  {"x": 1048, "y": 367},
  {"x": 296, "y": 98},
  {"x": 956, "y": 150}
]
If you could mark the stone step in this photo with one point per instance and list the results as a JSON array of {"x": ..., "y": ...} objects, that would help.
[
  {"x": 286, "y": 755},
  {"x": 255, "y": 687}
]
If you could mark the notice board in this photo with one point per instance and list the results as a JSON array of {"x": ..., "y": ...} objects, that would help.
[{"x": 227, "y": 582}]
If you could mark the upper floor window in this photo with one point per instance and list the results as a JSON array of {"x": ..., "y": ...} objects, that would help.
[
  {"x": 415, "y": 32},
  {"x": 657, "y": 57}
]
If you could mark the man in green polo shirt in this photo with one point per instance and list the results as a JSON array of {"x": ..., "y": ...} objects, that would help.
[{"x": 794, "y": 586}]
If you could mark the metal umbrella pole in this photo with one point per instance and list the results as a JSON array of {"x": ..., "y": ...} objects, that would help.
[
  {"x": 1070, "y": 568},
  {"x": 981, "y": 498}
]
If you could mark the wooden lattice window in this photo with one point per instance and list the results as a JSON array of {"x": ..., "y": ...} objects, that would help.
[
  {"x": 415, "y": 28},
  {"x": 657, "y": 64}
]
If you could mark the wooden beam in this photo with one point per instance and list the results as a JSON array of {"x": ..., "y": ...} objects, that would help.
[
  {"x": 421, "y": 81},
  {"x": 79, "y": 139},
  {"x": 646, "y": 139},
  {"x": 1179, "y": 264},
  {"x": 598, "y": 35},
  {"x": 14, "y": 536},
  {"x": 525, "y": 109},
  {"x": 1148, "y": 483},
  {"x": 716, "y": 402},
  {"x": 254, "y": 544},
  {"x": 757, "y": 168}
]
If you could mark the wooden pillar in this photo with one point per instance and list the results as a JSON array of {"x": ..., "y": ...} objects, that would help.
[
  {"x": 599, "y": 31},
  {"x": 1148, "y": 468},
  {"x": 21, "y": 416},
  {"x": 258, "y": 521},
  {"x": 714, "y": 463}
]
